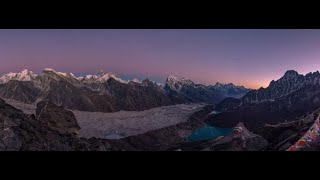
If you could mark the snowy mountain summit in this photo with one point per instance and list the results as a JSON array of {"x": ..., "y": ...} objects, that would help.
[
  {"x": 176, "y": 83},
  {"x": 24, "y": 75},
  {"x": 100, "y": 77}
]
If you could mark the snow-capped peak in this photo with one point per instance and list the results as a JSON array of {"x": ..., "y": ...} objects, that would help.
[
  {"x": 170, "y": 77},
  {"x": 101, "y": 77},
  {"x": 49, "y": 69},
  {"x": 113, "y": 76},
  {"x": 136, "y": 80},
  {"x": 176, "y": 80},
  {"x": 60, "y": 73},
  {"x": 175, "y": 83},
  {"x": 24, "y": 75}
]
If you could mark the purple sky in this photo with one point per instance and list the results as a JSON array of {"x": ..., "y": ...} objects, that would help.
[{"x": 244, "y": 57}]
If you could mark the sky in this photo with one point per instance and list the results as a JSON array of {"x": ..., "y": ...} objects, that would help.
[{"x": 249, "y": 57}]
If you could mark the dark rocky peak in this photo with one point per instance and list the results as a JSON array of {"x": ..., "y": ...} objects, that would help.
[
  {"x": 229, "y": 85},
  {"x": 147, "y": 82},
  {"x": 291, "y": 73},
  {"x": 132, "y": 83},
  {"x": 313, "y": 75},
  {"x": 218, "y": 85},
  {"x": 272, "y": 83},
  {"x": 224, "y": 84},
  {"x": 293, "y": 81}
]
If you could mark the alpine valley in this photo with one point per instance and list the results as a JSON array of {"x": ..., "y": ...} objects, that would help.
[{"x": 57, "y": 111}]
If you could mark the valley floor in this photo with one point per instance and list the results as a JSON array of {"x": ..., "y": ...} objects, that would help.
[{"x": 124, "y": 123}]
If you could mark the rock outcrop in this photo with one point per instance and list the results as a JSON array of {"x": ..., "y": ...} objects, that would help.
[
  {"x": 57, "y": 118},
  {"x": 284, "y": 135}
]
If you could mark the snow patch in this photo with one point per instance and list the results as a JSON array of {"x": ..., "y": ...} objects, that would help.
[
  {"x": 214, "y": 112},
  {"x": 136, "y": 80}
]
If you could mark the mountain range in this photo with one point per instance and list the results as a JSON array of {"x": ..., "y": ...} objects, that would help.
[
  {"x": 291, "y": 97},
  {"x": 201, "y": 93},
  {"x": 107, "y": 92}
]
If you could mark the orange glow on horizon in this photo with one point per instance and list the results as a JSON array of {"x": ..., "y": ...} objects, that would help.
[{"x": 256, "y": 85}]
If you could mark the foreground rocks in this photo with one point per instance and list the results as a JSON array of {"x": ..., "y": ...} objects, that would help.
[
  {"x": 310, "y": 141},
  {"x": 20, "y": 132},
  {"x": 284, "y": 135},
  {"x": 56, "y": 118}
]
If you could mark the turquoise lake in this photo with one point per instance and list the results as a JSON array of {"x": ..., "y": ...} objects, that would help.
[{"x": 207, "y": 133}]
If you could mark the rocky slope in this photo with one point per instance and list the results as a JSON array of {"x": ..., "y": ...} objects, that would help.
[
  {"x": 284, "y": 135},
  {"x": 287, "y": 99},
  {"x": 290, "y": 83}
]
